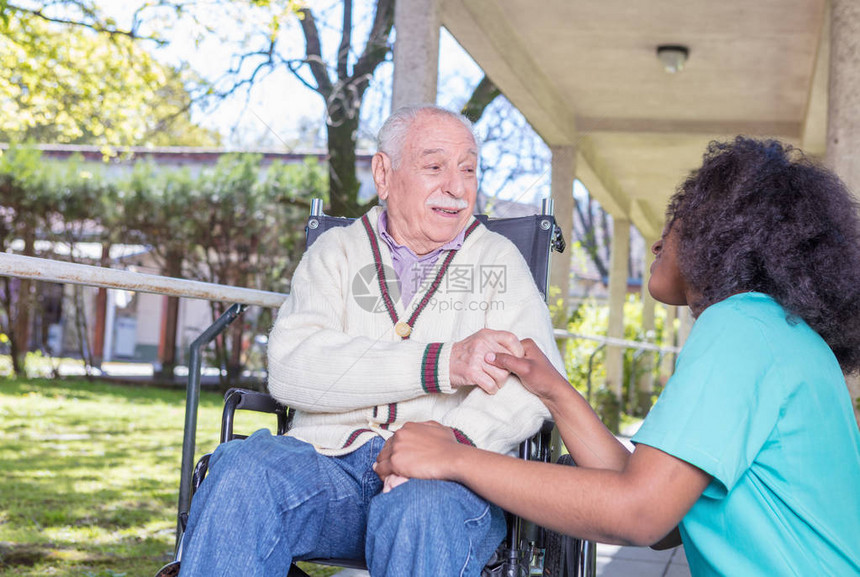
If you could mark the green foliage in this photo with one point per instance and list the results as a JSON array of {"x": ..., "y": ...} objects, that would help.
[
  {"x": 74, "y": 85},
  {"x": 606, "y": 405},
  {"x": 235, "y": 223},
  {"x": 91, "y": 475},
  {"x": 156, "y": 208},
  {"x": 585, "y": 359},
  {"x": 246, "y": 225},
  {"x": 56, "y": 198},
  {"x": 248, "y": 230},
  {"x": 87, "y": 81}
]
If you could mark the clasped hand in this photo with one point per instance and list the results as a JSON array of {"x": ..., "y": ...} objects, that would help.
[
  {"x": 420, "y": 450},
  {"x": 469, "y": 364},
  {"x": 429, "y": 450}
]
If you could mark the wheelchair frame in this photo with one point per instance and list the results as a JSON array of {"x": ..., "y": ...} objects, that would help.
[{"x": 527, "y": 548}]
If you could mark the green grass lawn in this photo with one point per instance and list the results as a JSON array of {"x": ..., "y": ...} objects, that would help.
[{"x": 90, "y": 475}]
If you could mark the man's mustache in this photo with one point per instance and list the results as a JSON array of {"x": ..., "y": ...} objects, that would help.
[{"x": 447, "y": 203}]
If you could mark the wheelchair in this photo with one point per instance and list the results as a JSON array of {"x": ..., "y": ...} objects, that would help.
[{"x": 527, "y": 548}]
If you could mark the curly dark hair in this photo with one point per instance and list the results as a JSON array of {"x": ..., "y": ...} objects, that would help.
[{"x": 760, "y": 216}]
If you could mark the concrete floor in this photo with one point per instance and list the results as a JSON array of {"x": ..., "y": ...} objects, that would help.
[{"x": 615, "y": 561}]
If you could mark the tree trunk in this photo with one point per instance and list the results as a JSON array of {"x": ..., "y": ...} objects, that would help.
[
  {"x": 20, "y": 326},
  {"x": 343, "y": 182},
  {"x": 485, "y": 92},
  {"x": 101, "y": 314},
  {"x": 9, "y": 304},
  {"x": 585, "y": 212},
  {"x": 84, "y": 348},
  {"x": 234, "y": 351},
  {"x": 167, "y": 348}
]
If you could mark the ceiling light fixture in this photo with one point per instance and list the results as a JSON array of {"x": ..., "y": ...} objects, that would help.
[{"x": 673, "y": 57}]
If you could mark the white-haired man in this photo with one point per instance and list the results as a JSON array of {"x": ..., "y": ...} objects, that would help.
[{"x": 389, "y": 320}]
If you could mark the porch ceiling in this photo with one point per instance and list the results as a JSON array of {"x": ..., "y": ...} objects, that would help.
[{"x": 586, "y": 73}]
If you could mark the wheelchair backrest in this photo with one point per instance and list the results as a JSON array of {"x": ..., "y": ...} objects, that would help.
[{"x": 535, "y": 236}]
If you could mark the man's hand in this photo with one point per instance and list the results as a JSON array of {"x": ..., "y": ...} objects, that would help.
[
  {"x": 535, "y": 371},
  {"x": 469, "y": 364},
  {"x": 392, "y": 481},
  {"x": 419, "y": 450}
]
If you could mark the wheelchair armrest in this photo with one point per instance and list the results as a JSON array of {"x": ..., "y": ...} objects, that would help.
[
  {"x": 538, "y": 447},
  {"x": 235, "y": 399},
  {"x": 547, "y": 427}
]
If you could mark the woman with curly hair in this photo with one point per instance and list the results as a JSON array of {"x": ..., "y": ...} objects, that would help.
[{"x": 751, "y": 455}]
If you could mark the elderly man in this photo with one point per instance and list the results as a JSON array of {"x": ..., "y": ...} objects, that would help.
[{"x": 389, "y": 320}]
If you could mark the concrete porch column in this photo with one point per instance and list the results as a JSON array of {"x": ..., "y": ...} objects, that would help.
[
  {"x": 843, "y": 122},
  {"x": 563, "y": 175},
  {"x": 646, "y": 381},
  {"x": 619, "y": 259},
  {"x": 416, "y": 52}
]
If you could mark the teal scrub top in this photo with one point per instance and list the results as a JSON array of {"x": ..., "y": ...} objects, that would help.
[{"x": 758, "y": 401}]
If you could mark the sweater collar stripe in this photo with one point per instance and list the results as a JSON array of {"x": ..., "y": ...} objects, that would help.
[
  {"x": 380, "y": 270},
  {"x": 380, "y": 273},
  {"x": 354, "y": 436},
  {"x": 439, "y": 276}
]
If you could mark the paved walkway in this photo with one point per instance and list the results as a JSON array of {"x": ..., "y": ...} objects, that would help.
[{"x": 614, "y": 561}]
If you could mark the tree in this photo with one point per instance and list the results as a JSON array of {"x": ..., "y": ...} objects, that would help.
[
  {"x": 79, "y": 80},
  {"x": 233, "y": 224},
  {"x": 343, "y": 94},
  {"x": 342, "y": 84},
  {"x": 155, "y": 213},
  {"x": 247, "y": 230},
  {"x": 595, "y": 233},
  {"x": 22, "y": 188},
  {"x": 85, "y": 208},
  {"x": 484, "y": 94},
  {"x": 70, "y": 84},
  {"x": 62, "y": 204}
]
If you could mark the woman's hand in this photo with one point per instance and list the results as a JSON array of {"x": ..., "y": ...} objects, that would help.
[
  {"x": 535, "y": 371},
  {"x": 418, "y": 450}
]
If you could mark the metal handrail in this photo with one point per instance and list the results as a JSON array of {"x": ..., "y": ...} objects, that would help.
[
  {"x": 615, "y": 342},
  {"x": 192, "y": 402},
  {"x": 49, "y": 270}
]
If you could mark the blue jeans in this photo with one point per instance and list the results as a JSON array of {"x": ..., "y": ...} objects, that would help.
[{"x": 268, "y": 500}]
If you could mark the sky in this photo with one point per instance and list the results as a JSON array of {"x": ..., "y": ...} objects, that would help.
[
  {"x": 278, "y": 109},
  {"x": 271, "y": 112},
  {"x": 281, "y": 103}
]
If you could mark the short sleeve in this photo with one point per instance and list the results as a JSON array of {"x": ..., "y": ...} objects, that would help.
[{"x": 720, "y": 406}]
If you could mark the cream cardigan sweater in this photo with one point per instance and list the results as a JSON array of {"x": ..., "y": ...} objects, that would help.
[{"x": 335, "y": 354}]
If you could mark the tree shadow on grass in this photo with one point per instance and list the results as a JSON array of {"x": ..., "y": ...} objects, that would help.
[{"x": 91, "y": 476}]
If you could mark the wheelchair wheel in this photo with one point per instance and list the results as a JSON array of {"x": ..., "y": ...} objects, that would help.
[
  {"x": 563, "y": 556},
  {"x": 169, "y": 570},
  {"x": 504, "y": 563}
]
